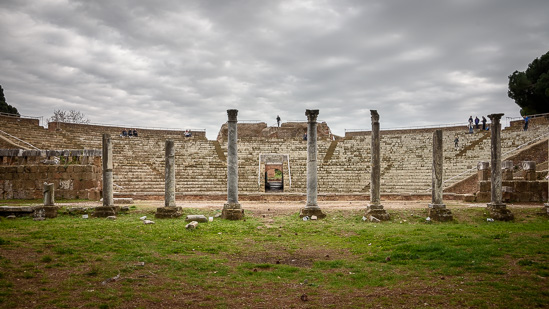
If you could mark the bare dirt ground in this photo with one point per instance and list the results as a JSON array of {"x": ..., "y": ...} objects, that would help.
[{"x": 288, "y": 207}]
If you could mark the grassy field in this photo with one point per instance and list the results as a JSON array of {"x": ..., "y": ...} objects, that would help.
[{"x": 274, "y": 260}]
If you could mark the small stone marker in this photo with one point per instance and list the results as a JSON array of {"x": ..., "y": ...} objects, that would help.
[
  {"x": 84, "y": 216},
  {"x": 313, "y": 217},
  {"x": 148, "y": 222},
  {"x": 11, "y": 217},
  {"x": 143, "y": 218},
  {"x": 111, "y": 217}
]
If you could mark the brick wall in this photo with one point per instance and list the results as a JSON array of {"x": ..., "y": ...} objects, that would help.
[{"x": 76, "y": 174}]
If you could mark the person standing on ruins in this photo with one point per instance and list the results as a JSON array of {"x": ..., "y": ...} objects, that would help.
[
  {"x": 483, "y": 123},
  {"x": 476, "y": 122},
  {"x": 278, "y": 120},
  {"x": 456, "y": 142},
  {"x": 526, "y": 123}
]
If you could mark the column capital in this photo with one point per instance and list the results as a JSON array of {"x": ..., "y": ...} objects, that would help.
[
  {"x": 311, "y": 114},
  {"x": 495, "y": 117},
  {"x": 375, "y": 116},
  {"x": 232, "y": 113}
]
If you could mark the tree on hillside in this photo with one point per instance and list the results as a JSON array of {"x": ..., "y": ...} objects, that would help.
[
  {"x": 530, "y": 89},
  {"x": 71, "y": 116},
  {"x": 4, "y": 106}
]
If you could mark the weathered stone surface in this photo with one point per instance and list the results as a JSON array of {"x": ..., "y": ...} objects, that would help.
[
  {"x": 168, "y": 212},
  {"x": 49, "y": 194},
  {"x": 497, "y": 209},
  {"x": 169, "y": 191},
  {"x": 375, "y": 208},
  {"x": 192, "y": 225},
  {"x": 312, "y": 211},
  {"x": 107, "y": 174},
  {"x": 378, "y": 212},
  {"x": 197, "y": 218},
  {"x": 123, "y": 200},
  {"x": 232, "y": 211},
  {"x": 440, "y": 214},
  {"x": 500, "y": 212},
  {"x": 105, "y": 211},
  {"x": 18, "y": 211}
]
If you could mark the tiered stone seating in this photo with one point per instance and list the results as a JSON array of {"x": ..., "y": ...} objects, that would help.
[{"x": 405, "y": 167}]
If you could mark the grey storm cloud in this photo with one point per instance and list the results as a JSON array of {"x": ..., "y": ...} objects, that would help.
[{"x": 182, "y": 64}]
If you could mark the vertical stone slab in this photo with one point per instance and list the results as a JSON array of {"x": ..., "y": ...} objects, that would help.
[
  {"x": 232, "y": 209},
  {"x": 375, "y": 209},
  {"x": 170, "y": 210},
  {"x": 437, "y": 209},
  {"x": 312, "y": 207},
  {"x": 108, "y": 208},
  {"x": 507, "y": 170},
  {"x": 497, "y": 209}
]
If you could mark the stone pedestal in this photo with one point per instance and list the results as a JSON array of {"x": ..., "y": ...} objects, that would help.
[
  {"x": 108, "y": 208},
  {"x": 168, "y": 212},
  {"x": 483, "y": 171},
  {"x": 377, "y": 212},
  {"x": 437, "y": 210},
  {"x": 375, "y": 208},
  {"x": 529, "y": 168},
  {"x": 497, "y": 210},
  {"x": 232, "y": 210},
  {"x": 105, "y": 211},
  {"x": 312, "y": 178},
  {"x": 507, "y": 169},
  {"x": 500, "y": 212}
]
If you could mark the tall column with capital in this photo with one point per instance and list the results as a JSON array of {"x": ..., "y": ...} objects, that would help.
[
  {"x": 170, "y": 210},
  {"x": 312, "y": 179},
  {"x": 232, "y": 209},
  {"x": 437, "y": 210},
  {"x": 108, "y": 208},
  {"x": 497, "y": 209},
  {"x": 375, "y": 209}
]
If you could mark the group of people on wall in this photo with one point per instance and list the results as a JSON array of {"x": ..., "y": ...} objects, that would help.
[
  {"x": 475, "y": 124},
  {"x": 129, "y": 133}
]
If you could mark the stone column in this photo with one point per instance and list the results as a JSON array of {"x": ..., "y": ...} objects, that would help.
[
  {"x": 49, "y": 194},
  {"x": 375, "y": 209},
  {"x": 497, "y": 209},
  {"x": 546, "y": 205},
  {"x": 232, "y": 209},
  {"x": 170, "y": 210},
  {"x": 108, "y": 208},
  {"x": 312, "y": 208},
  {"x": 437, "y": 210}
]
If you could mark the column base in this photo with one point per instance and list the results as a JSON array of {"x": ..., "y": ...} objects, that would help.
[
  {"x": 377, "y": 212},
  {"x": 105, "y": 211},
  {"x": 438, "y": 212},
  {"x": 168, "y": 212},
  {"x": 47, "y": 211},
  {"x": 500, "y": 212},
  {"x": 311, "y": 211},
  {"x": 232, "y": 211},
  {"x": 546, "y": 208}
]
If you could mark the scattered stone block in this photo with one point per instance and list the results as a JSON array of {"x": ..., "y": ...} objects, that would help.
[
  {"x": 198, "y": 218},
  {"x": 11, "y": 217},
  {"x": 148, "y": 222},
  {"x": 111, "y": 217},
  {"x": 123, "y": 200},
  {"x": 192, "y": 225},
  {"x": 313, "y": 217},
  {"x": 168, "y": 212}
]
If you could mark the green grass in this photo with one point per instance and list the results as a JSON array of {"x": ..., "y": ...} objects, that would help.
[{"x": 340, "y": 259}]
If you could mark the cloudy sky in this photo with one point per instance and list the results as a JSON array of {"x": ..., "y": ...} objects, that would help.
[{"x": 183, "y": 63}]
